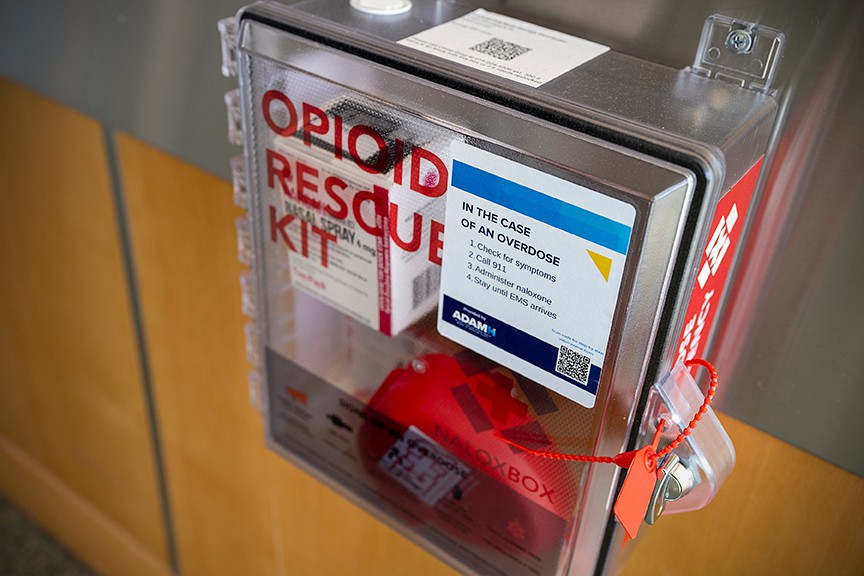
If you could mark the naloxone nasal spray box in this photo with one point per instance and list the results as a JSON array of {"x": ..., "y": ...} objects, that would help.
[{"x": 361, "y": 211}]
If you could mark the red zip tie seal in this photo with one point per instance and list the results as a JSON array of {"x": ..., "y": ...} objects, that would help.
[{"x": 641, "y": 464}]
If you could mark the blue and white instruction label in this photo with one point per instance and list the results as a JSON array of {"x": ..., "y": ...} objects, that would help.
[{"x": 532, "y": 269}]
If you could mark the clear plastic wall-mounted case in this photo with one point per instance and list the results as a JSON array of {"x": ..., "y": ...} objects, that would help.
[{"x": 350, "y": 141}]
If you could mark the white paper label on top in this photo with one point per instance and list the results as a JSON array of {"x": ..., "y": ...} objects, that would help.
[
  {"x": 532, "y": 270},
  {"x": 506, "y": 47}
]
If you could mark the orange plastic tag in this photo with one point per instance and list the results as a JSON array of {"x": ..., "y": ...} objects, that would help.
[{"x": 635, "y": 495}]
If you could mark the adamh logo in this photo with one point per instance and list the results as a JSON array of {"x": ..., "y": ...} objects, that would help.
[{"x": 465, "y": 320}]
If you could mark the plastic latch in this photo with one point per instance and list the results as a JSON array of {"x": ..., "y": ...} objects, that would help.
[
  {"x": 245, "y": 253},
  {"x": 228, "y": 34},
  {"x": 707, "y": 453},
  {"x": 256, "y": 394},
  {"x": 249, "y": 304},
  {"x": 740, "y": 52},
  {"x": 253, "y": 355},
  {"x": 238, "y": 181},
  {"x": 235, "y": 122}
]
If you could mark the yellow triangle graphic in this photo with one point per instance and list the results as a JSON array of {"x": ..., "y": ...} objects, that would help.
[{"x": 603, "y": 263}]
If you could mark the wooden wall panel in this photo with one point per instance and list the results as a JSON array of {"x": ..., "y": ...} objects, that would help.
[
  {"x": 74, "y": 438},
  {"x": 238, "y": 508},
  {"x": 782, "y": 511}
]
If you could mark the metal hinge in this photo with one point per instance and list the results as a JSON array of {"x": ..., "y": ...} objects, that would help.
[{"x": 739, "y": 52}]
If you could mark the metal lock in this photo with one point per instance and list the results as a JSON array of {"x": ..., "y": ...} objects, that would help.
[
  {"x": 691, "y": 475},
  {"x": 676, "y": 481}
]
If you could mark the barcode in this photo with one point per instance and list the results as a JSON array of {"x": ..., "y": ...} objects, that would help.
[
  {"x": 500, "y": 49},
  {"x": 573, "y": 364},
  {"x": 425, "y": 284}
]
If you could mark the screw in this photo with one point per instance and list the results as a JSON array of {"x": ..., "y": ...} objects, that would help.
[{"x": 739, "y": 41}]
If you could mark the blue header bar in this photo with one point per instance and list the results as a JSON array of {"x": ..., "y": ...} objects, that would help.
[{"x": 567, "y": 217}]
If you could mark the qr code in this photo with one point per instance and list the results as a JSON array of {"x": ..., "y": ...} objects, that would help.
[
  {"x": 500, "y": 49},
  {"x": 573, "y": 364}
]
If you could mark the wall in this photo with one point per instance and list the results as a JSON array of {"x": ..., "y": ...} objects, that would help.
[
  {"x": 76, "y": 435},
  {"x": 76, "y": 383},
  {"x": 75, "y": 444},
  {"x": 125, "y": 425}
]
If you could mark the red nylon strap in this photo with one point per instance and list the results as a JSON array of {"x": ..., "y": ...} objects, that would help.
[{"x": 625, "y": 458}]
